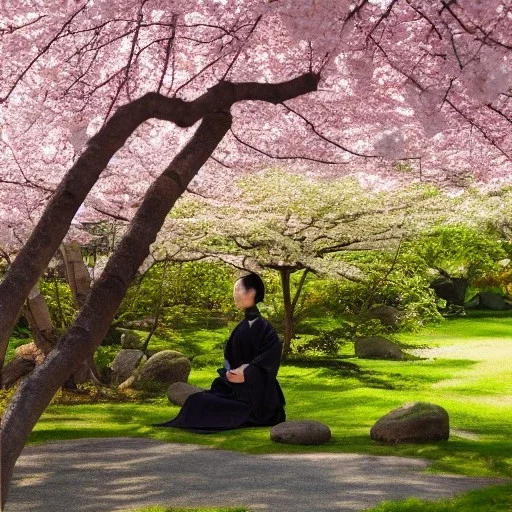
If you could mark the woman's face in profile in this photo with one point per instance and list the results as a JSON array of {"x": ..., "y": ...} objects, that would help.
[{"x": 243, "y": 298}]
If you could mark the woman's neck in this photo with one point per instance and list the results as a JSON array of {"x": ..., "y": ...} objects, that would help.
[{"x": 252, "y": 313}]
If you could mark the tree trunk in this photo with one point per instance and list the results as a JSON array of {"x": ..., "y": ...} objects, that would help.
[
  {"x": 288, "y": 311},
  {"x": 158, "y": 308},
  {"x": 39, "y": 321},
  {"x": 15, "y": 370},
  {"x": 53, "y": 225},
  {"x": 76, "y": 273},
  {"x": 289, "y": 306},
  {"x": 51, "y": 229},
  {"x": 93, "y": 321},
  {"x": 79, "y": 282}
]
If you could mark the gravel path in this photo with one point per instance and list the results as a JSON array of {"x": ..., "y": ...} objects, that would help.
[{"x": 101, "y": 475}]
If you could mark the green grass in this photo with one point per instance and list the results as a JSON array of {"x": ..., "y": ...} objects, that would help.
[
  {"x": 492, "y": 499},
  {"x": 469, "y": 375}
]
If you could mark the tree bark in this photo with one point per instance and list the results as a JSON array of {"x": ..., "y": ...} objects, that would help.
[
  {"x": 290, "y": 305},
  {"x": 40, "y": 323},
  {"x": 38, "y": 317},
  {"x": 15, "y": 370},
  {"x": 93, "y": 321},
  {"x": 288, "y": 310},
  {"x": 44, "y": 241},
  {"x": 79, "y": 282},
  {"x": 76, "y": 273}
]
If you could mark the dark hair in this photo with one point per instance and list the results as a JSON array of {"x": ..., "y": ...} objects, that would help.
[{"x": 254, "y": 282}]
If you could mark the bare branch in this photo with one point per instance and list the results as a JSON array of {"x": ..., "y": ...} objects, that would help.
[
  {"x": 109, "y": 214},
  {"x": 41, "y": 53},
  {"x": 426, "y": 18},
  {"x": 323, "y": 137},
  {"x": 285, "y": 157},
  {"x": 13, "y": 28},
  {"x": 235, "y": 58},
  {"x": 168, "y": 51}
]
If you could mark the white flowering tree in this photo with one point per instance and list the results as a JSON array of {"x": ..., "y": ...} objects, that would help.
[{"x": 289, "y": 223}]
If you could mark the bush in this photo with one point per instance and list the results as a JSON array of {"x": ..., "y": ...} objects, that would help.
[
  {"x": 187, "y": 288},
  {"x": 327, "y": 342},
  {"x": 60, "y": 301}
]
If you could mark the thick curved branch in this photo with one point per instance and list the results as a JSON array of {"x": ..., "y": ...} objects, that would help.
[
  {"x": 79, "y": 180},
  {"x": 95, "y": 317}
]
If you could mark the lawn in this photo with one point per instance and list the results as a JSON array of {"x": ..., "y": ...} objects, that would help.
[{"x": 466, "y": 370}]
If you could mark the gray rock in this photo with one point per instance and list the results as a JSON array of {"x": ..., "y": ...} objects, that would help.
[
  {"x": 161, "y": 370},
  {"x": 301, "y": 432},
  {"x": 178, "y": 392},
  {"x": 488, "y": 300},
  {"x": 125, "y": 364},
  {"x": 388, "y": 315},
  {"x": 376, "y": 347},
  {"x": 416, "y": 422},
  {"x": 451, "y": 289},
  {"x": 130, "y": 339}
]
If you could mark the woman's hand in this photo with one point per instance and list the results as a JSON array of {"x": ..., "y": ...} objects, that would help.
[{"x": 236, "y": 376}]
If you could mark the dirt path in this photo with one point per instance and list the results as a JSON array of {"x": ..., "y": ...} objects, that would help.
[{"x": 100, "y": 475}]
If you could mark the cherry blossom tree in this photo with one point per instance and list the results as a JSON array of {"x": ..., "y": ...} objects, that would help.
[{"x": 116, "y": 107}]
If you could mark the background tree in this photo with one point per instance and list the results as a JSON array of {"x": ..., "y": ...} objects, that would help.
[{"x": 289, "y": 223}]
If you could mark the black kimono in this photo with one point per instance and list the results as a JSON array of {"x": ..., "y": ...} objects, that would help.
[{"x": 258, "y": 401}]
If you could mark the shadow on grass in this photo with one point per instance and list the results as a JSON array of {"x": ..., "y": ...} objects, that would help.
[{"x": 434, "y": 371}]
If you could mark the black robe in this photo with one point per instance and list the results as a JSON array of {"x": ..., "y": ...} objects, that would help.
[{"x": 258, "y": 401}]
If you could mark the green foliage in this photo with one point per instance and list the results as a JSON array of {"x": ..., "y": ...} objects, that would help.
[
  {"x": 103, "y": 357},
  {"x": 460, "y": 250},
  {"x": 212, "y": 359},
  {"x": 189, "y": 289},
  {"x": 60, "y": 301},
  {"x": 403, "y": 284},
  {"x": 326, "y": 342}
]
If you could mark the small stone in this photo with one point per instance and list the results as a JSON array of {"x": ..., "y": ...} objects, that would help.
[
  {"x": 306, "y": 432},
  {"x": 178, "y": 392},
  {"x": 387, "y": 315},
  {"x": 416, "y": 422},
  {"x": 130, "y": 339}
]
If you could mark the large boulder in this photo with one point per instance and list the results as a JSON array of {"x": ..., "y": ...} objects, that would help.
[
  {"x": 178, "y": 392},
  {"x": 416, "y": 422},
  {"x": 376, "y": 347},
  {"x": 301, "y": 432},
  {"x": 451, "y": 289},
  {"x": 125, "y": 363},
  {"x": 488, "y": 300},
  {"x": 161, "y": 370}
]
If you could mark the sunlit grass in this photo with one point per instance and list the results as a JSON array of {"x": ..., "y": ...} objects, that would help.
[
  {"x": 492, "y": 499},
  {"x": 468, "y": 374},
  {"x": 349, "y": 396}
]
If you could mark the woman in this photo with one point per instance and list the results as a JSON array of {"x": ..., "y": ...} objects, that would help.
[{"x": 246, "y": 393}]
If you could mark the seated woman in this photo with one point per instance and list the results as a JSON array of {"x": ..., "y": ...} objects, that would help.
[{"x": 246, "y": 393}]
